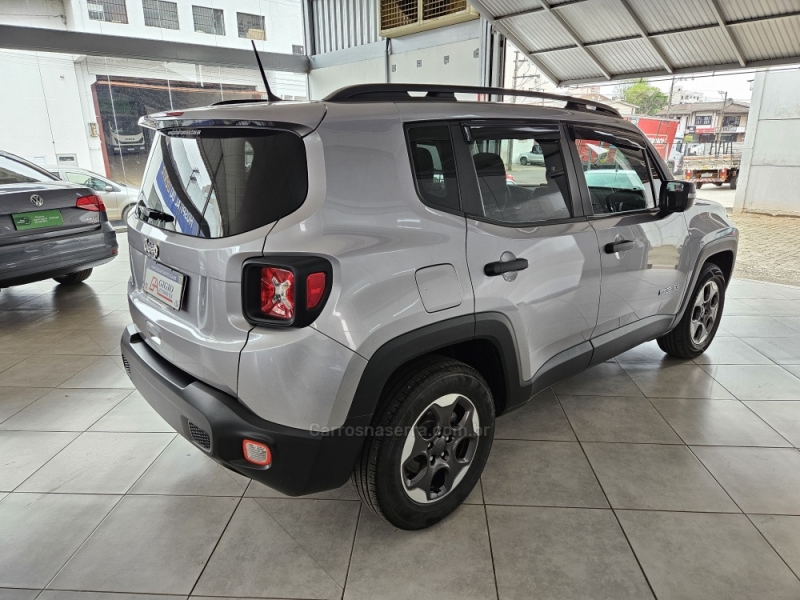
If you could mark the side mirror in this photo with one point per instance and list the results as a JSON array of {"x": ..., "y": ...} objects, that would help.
[
  {"x": 109, "y": 188},
  {"x": 676, "y": 196}
]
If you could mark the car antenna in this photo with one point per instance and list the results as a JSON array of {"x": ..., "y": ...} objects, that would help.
[{"x": 270, "y": 96}]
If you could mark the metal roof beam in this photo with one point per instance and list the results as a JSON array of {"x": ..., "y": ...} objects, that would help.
[
  {"x": 575, "y": 38},
  {"x": 537, "y": 9},
  {"x": 645, "y": 36},
  {"x": 724, "y": 27},
  {"x": 486, "y": 14}
]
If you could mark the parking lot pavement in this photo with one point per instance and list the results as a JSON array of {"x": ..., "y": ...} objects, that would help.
[{"x": 644, "y": 477}]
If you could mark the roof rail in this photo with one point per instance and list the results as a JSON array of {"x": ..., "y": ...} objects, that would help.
[{"x": 399, "y": 92}]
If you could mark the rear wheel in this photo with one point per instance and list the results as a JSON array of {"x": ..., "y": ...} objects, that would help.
[
  {"x": 523, "y": 160},
  {"x": 430, "y": 445},
  {"x": 73, "y": 278},
  {"x": 718, "y": 184},
  {"x": 698, "y": 326},
  {"x": 698, "y": 185},
  {"x": 733, "y": 183},
  {"x": 125, "y": 212}
]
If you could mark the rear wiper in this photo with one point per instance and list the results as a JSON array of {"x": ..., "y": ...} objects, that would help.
[{"x": 145, "y": 212}]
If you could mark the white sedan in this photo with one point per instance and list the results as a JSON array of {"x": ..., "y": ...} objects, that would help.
[{"x": 118, "y": 197}]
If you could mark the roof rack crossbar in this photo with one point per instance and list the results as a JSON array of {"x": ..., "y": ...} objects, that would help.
[{"x": 399, "y": 92}]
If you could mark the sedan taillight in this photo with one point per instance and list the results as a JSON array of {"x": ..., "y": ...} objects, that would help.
[{"x": 92, "y": 203}]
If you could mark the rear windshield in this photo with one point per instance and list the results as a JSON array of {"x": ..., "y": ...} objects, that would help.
[
  {"x": 216, "y": 183},
  {"x": 13, "y": 171}
]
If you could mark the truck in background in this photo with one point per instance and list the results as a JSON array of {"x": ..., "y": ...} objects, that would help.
[
  {"x": 718, "y": 164},
  {"x": 660, "y": 132}
]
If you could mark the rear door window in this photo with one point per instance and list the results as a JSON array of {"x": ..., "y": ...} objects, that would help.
[
  {"x": 222, "y": 182},
  {"x": 434, "y": 165}
]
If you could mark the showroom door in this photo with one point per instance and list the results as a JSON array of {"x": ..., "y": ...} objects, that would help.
[
  {"x": 532, "y": 254},
  {"x": 639, "y": 245}
]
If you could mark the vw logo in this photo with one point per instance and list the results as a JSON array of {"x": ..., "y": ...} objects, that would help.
[
  {"x": 150, "y": 248},
  {"x": 37, "y": 200}
]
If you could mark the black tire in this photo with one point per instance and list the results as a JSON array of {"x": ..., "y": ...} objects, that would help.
[
  {"x": 733, "y": 183},
  {"x": 698, "y": 185},
  {"x": 689, "y": 340},
  {"x": 523, "y": 160},
  {"x": 718, "y": 184},
  {"x": 410, "y": 407},
  {"x": 73, "y": 278}
]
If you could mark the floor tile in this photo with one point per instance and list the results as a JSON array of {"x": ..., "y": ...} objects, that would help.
[
  {"x": 38, "y": 533},
  {"x": 133, "y": 414},
  {"x": 793, "y": 322},
  {"x": 149, "y": 545},
  {"x": 66, "y": 410},
  {"x": 656, "y": 477},
  {"x": 562, "y": 553},
  {"x": 732, "y": 351},
  {"x": 756, "y": 382},
  {"x": 67, "y": 595},
  {"x": 717, "y": 423},
  {"x": 649, "y": 352},
  {"x": 775, "y": 308},
  {"x": 740, "y": 308},
  {"x": 783, "y": 416},
  {"x": 29, "y": 341},
  {"x": 99, "y": 463},
  {"x": 540, "y": 474},
  {"x": 9, "y": 360},
  {"x": 183, "y": 469},
  {"x": 680, "y": 381},
  {"x": 784, "y": 351},
  {"x": 79, "y": 343},
  {"x": 752, "y": 289},
  {"x": 18, "y": 594},
  {"x": 105, "y": 372},
  {"x": 283, "y": 548},
  {"x": 44, "y": 371},
  {"x": 757, "y": 327},
  {"x": 22, "y": 453},
  {"x": 14, "y": 399},
  {"x": 606, "y": 419},
  {"x": 540, "y": 419},
  {"x": 606, "y": 379},
  {"x": 710, "y": 556},
  {"x": 793, "y": 369},
  {"x": 783, "y": 534},
  {"x": 760, "y": 480},
  {"x": 392, "y": 564}
]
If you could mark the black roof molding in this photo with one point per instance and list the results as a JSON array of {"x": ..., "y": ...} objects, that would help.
[{"x": 399, "y": 92}]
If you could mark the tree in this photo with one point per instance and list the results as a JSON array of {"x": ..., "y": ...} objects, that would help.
[{"x": 647, "y": 97}]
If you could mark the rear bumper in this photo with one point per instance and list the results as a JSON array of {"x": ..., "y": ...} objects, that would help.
[
  {"x": 303, "y": 462},
  {"x": 41, "y": 259}
]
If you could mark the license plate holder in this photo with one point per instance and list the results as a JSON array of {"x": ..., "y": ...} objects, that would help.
[
  {"x": 164, "y": 284},
  {"x": 37, "y": 219}
]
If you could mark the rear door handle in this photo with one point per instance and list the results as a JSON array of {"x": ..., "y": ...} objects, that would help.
[
  {"x": 620, "y": 246},
  {"x": 498, "y": 268}
]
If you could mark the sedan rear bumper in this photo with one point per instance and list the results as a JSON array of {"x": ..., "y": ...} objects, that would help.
[{"x": 35, "y": 260}]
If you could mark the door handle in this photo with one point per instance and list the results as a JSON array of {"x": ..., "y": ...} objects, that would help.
[
  {"x": 498, "y": 268},
  {"x": 619, "y": 246}
]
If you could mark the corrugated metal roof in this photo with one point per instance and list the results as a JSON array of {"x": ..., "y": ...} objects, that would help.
[{"x": 625, "y": 38}]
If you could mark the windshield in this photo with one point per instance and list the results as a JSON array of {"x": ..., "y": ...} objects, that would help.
[
  {"x": 14, "y": 171},
  {"x": 217, "y": 183}
]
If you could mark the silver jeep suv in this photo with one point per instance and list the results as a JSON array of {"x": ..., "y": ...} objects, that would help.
[{"x": 358, "y": 287}]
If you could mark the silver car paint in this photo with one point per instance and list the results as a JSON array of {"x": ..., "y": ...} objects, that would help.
[{"x": 363, "y": 214}]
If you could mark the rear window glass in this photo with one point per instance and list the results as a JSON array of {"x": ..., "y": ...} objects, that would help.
[
  {"x": 12, "y": 171},
  {"x": 220, "y": 183}
]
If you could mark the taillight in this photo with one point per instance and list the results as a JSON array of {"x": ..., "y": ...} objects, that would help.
[
  {"x": 315, "y": 289},
  {"x": 287, "y": 290},
  {"x": 92, "y": 203},
  {"x": 277, "y": 293}
]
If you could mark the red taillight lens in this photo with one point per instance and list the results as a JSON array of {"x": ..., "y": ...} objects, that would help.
[
  {"x": 277, "y": 293},
  {"x": 93, "y": 203},
  {"x": 256, "y": 453},
  {"x": 315, "y": 289}
]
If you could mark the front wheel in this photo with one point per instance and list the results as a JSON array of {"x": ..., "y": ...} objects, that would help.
[
  {"x": 698, "y": 185},
  {"x": 523, "y": 160},
  {"x": 733, "y": 183},
  {"x": 429, "y": 445},
  {"x": 74, "y": 278},
  {"x": 700, "y": 321}
]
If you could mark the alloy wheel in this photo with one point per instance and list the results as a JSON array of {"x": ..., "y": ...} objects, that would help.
[
  {"x": 439, "y": 448},
  {"x": 704, "y": 312}
]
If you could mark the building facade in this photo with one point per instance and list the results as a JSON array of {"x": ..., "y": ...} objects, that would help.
[
  {"x": 79, "y": 110},
  {"x": 704, "y": 122}
]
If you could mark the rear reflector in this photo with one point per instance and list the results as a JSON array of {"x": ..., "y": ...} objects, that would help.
[
  {"x": 93, "y": 203},
  {"x": 315, "y": 289},
  {"x": 277, "y": 293},
  {"x": 256, "y": 453}
]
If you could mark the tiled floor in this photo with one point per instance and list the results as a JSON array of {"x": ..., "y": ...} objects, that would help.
[{"x": 646, "y": 476}]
